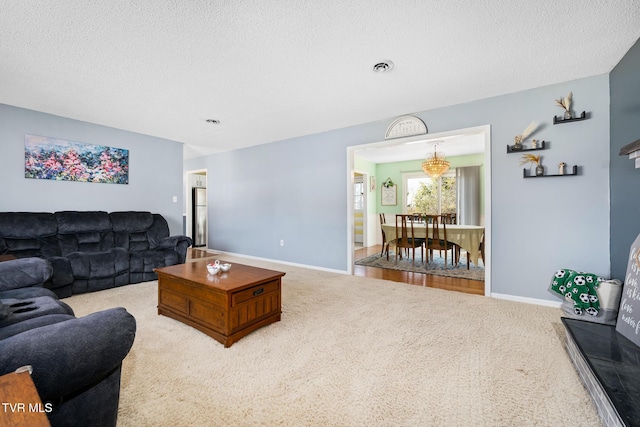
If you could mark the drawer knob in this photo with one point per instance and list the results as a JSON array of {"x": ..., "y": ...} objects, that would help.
[{"x": 258, "y": 292}]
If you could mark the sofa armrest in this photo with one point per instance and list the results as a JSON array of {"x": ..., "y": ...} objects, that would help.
[
  {"x": 24, "y": 272},
  {"x": 62, "y": 273},
  {"x": 69, "y": 356},
  {"x": 177, "y": 243}
]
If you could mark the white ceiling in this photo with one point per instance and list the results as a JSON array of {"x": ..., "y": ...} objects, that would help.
[
  {"x": 471, "y": 141},
  {"x": 276, "y": 69}
]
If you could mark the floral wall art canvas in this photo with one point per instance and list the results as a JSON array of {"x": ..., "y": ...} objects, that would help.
[{"x": 62, "y": 160}]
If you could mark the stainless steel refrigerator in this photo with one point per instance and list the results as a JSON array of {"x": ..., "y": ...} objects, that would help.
[{"x": 199, "y": 216}]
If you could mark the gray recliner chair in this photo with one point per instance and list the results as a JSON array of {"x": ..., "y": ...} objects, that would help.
[{"x": 76, "y": 361}]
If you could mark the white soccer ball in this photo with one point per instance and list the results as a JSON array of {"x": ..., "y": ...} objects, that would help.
[{"x": 579, "y": 280}]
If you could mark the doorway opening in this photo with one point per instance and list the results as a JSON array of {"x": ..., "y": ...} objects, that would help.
[
  {"x": 390, "y": 150},
  {"x": 196, "y": 217},
  {"x": 359, "y": 210}
]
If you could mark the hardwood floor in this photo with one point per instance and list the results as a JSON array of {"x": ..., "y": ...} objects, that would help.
[
  {"x": 195, "y": 253},
  {"x": 475, "y": 287}
]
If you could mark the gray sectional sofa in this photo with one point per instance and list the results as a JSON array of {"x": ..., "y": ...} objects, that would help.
[
  {"x": 76, "y": 362},
  {"x": 92, "y": 250}
]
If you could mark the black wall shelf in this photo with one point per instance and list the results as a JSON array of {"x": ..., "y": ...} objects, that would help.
[
  {"x": 511, "y": 150},
  {"x": 558, "y": 120},
  {"x": 573, "y": 172}
]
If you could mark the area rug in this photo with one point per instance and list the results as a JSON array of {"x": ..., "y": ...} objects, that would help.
[
  {"x": 351, "y": 351},
  {"x": 435, "y": 267}
]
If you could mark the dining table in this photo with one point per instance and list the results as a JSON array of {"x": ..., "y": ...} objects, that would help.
[{"x": 468, "y": 237}]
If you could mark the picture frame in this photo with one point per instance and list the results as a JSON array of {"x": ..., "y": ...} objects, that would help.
[
  {"x": 389, "y": 195},
  {"x": 372, "y": 183},
  {"x": 64, "y": 160}
]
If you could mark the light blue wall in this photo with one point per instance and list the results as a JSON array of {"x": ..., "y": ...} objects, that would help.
[
  {"x": 625, "y": 179},
  {"x": 296, "y": 189},
  {"x": 540, "y": 225},
  {"x": 155, "y": 174}
]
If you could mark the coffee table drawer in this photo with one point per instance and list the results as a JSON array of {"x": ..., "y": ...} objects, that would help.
[
  {"x": 264, "y": 305},
  {"x": 254, "y": 292}
]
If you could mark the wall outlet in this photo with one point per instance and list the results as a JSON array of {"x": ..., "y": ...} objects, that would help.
[
  {"x": 175, "y": 199},
  {"x": 281, "y": 242}
]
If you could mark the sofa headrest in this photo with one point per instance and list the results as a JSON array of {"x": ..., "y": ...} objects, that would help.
[
  {"x": 132, "y": 222},
  {"x": 23, "y": 225},
  {"x": 73, "y": 222}
]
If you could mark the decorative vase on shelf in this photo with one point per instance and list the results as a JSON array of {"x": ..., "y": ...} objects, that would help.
[
  {"x": 539, "y": 170},
  {"x": 561, "y": 167},
  {"x": 568, "y": 115},
  {"x": 518, "y": 143}
]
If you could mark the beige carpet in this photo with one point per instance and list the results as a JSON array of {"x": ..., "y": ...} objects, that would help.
[{"x": 352, "y": 351}]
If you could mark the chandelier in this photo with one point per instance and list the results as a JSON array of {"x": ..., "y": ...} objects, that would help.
[{"x": 435, "y": 164}]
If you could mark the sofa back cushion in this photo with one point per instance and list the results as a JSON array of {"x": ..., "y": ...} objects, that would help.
[
  {"x": 130, "y": 230},
  {"x": 159, "y": 229},
  {"x": 28, "y": 234},
  {"x": 88, "y": 231}
]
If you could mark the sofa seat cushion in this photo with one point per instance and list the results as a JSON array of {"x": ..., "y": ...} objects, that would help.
[
  {"x": 147, "y": 261},
  {"x": 24, "y": 309},
  {"x": 90, "y": 265},
  {"x": 100, "y": 270},
  {"x": 143, "y": 263}
]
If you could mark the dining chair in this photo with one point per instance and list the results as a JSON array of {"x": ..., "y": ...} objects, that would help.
[
  {"x": 448, "y": 218},
  {"x": 405, "y": 237},
  {"x": 385, "y": 244},
  {"x": 480, "y": 251},
  {"x": 417, "y": 217},
  {"x": 437, "y": 239}
]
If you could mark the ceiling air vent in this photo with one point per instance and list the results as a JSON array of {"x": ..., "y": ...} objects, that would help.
[{"x": 383, "y": 67}]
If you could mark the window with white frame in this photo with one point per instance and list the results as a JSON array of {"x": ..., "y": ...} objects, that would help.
[{"x": 427, "y": 195}]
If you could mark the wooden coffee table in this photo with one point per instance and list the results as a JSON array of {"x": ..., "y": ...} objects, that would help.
[
  {"x": 21, "y": 404},
  {"x": 226, "y": 306}
]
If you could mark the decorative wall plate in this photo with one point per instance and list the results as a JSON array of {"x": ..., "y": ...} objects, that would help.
[{"x": 406, "y": 126}]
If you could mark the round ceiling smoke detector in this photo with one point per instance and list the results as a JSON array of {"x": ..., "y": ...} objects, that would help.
[{"x": 383, "y": 67}]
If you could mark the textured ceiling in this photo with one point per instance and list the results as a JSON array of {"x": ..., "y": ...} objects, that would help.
[{"x": 277, "y": 69}]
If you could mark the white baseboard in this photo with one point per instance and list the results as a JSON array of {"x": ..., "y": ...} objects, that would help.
[
  {"x": 293, "y": 264},
  {"x": 536, "y": 301}
]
